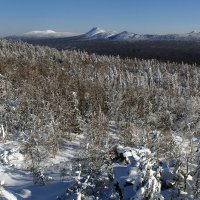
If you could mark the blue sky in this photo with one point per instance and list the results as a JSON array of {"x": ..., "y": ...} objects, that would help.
[{"x": 139, "y": 16}]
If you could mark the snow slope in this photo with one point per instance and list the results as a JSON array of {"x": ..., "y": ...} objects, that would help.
[
  {"x": 94, "y": 31},
  {"x": 18, "y": 182},
  {"x": 97, "y": 33}
]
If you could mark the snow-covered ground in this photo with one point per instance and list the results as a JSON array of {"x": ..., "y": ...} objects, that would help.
[{"x": 17, "y": 182}]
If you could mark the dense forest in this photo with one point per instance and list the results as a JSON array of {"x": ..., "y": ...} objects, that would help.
[
  {"x": 137, "y": 115},
  {"x": 163, "y": 50}
]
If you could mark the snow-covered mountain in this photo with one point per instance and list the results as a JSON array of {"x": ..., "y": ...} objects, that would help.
[
  {"x": 194, "y": 34},
  {"x": 125, "y": 35},
  {"x": 97, "y": 33},
  {"x": 42, "y": 34},
  {"x": 94, "y": 31},
  {"x": 47, "y": 34}
]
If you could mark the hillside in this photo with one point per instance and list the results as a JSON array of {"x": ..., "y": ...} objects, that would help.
[{"x": 106, "y": 127}]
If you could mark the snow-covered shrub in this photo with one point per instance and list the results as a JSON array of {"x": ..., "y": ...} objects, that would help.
[
  {"x": 40, "y": 178},
  {"x": 129, "y": 135},
  {"x": 143, "y": 178}
]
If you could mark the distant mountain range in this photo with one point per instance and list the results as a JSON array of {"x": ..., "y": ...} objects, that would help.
[{"x": 97, "y": 33}]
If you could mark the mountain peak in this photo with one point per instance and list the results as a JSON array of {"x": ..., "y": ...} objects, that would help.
[
  {"x": 194, "y": 31},
  {"x": 124, "y": 32},
  {"x": 94, "y": 31}
]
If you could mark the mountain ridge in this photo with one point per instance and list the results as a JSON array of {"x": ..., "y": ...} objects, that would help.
[{"x": 98, "y": 33}]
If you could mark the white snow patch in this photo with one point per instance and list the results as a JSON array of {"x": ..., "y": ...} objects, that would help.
[
  {"x": 25, "y": 193},
  {"x": 4, "y": 194}
]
